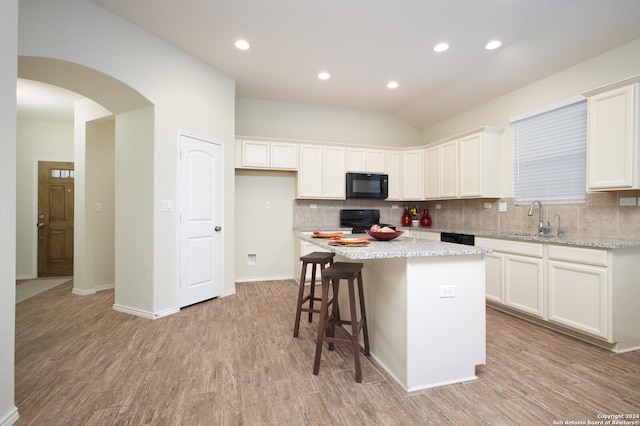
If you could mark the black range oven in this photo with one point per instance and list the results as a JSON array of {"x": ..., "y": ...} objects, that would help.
[{"x": 359, "y": 220}]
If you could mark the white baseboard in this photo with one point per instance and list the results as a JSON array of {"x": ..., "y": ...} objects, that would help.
[
  {"x": 11, "y": 418},
  {"x": 145, "y": 314},
  {"x": 279, "y": 277},
  {"x": 25, "y": 277},
  {"x": 81, "y": 292},
  {"x": 229, "y": 293}
]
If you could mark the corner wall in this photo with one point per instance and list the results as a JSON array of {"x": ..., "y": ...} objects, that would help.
[{"x": 8, "y": 83}]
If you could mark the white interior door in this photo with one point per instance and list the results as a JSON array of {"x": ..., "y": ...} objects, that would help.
[{"x": 201, "y": 227}]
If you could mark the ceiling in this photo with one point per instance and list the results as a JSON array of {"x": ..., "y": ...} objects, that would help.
[{"x": 364, "y": 44}]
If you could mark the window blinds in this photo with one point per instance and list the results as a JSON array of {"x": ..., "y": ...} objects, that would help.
[{"x": 550, "y": 156}]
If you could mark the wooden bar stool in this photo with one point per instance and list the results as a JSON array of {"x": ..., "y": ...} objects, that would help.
[
  {"x": 327, "y": 326},
  {"x": 316, "y": 258}
]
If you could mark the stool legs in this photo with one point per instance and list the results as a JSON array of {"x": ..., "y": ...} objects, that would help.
[
  {"x": 314, "y": 259},
  {"x": 303, "y": 275},
  {"x": 323, "y": 324},
  {"x": 328, "y": 322},
  {"x": 363, "y": 316}
]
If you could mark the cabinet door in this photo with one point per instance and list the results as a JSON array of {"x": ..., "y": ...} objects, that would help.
[
  {"x": 432, "y": 171},
  {"x": 578, "y": 297},
  {"x": 471, "y": 165},
  {"x": 395, "y": 176},
  {"x": 310, "y": 172},
  {"x": 493, "y": 264},
  {"x": 356, "y": 160},
  {"x": 284, "y": 156},
  {"x": 375, "y": 161},
  {"x": 333, "y": 172},
  {"x": 610, "y": 147},
  {"x": 255, "y": 154},
  {"x": 523, "y": 279},
  {"x": 449, "y": 169},
  {"x": 413, "y": 175}
]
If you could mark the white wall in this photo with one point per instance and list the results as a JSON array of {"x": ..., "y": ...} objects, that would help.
[
  {"x": 84, "y": 238},
  {"x": 185, "y": 93},
  {"x": 100, "y": 200},
  {"x": 266, "y": 232},
  {"x": 8, "y": 80},
  {"x": 284, "y": 120},
  {"x": 612, "y": 66},
  {"x": 37, "y": 141}
]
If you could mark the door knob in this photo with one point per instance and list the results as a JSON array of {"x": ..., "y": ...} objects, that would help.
[
  {"x": 217, "y": 229},
  {"x": 40, "y": 225}
]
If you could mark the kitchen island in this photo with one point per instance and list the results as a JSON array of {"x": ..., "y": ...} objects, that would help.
[{"x": 425, "y": 307}]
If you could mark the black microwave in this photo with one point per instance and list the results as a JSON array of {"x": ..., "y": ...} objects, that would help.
[{"x": 367, "y": 185}]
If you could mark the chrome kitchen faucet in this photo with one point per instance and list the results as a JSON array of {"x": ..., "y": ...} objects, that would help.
[{"x": 542, "y": 228}]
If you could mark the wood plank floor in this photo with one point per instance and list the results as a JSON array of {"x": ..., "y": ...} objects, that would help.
[{"x": 233, "y": 361}]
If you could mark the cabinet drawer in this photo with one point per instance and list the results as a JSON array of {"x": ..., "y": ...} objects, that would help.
[
  {"x": 517, "y": 247},
  {"x": 579, "y": 255}
]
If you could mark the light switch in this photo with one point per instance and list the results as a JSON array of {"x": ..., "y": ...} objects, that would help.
[{"x": 167, "y": 206}]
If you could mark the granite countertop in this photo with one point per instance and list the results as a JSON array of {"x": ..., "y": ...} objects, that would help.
[
  {"x": 570, "y": 240},
  {"x": 400, "y": 247}
]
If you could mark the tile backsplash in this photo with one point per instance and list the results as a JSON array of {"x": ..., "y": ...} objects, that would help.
[{"x": 600, "y": 216}]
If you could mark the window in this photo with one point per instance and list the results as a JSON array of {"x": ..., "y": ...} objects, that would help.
[{"x": 550, "y": 155}]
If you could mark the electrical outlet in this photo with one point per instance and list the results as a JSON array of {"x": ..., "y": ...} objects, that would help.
[
  {"x": 438, "y": 206},
  {"x": 267, "y": 205},
  {"x": 394, "y": 206},
  {"x": 487, "y": 205},
  {"x": 502, "y": 207},
  {"x": 252, "y": 259},
  {"x": 627, "y": 201},
  {"x": 313, "y": 206},
  {"x": 447, "y": 291}
]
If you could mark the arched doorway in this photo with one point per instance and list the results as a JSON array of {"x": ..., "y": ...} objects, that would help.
[{"x": 94, "y": 121}]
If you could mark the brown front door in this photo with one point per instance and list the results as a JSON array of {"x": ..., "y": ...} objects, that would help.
[{"x": 55, "y": 219}]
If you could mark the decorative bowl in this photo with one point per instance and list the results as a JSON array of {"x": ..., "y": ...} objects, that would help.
[{"x": 384, "y": 236}]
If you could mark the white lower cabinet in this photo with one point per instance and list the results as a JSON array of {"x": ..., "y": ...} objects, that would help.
[
  {"x": 590, "y": 293},
  {"x": 578, "y": 297},
  {"x": 524, "y": 284},
  {"x": 514, "y": 274},
  {"x": 493, "y": 266},
  {"x": 579, "y": 289}
]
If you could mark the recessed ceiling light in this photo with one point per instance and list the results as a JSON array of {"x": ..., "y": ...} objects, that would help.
[
  {"x": 242, "y": 44},
  {"x": 441, "y": 47},
  {"x": 324, "y": 75},
  {"x": 493, "y": 44},
  {"x": 392, "y": 85}
]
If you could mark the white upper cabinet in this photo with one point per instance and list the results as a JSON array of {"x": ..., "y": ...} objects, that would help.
[
  {"x": 394, "y": 170},
  {"x": 322, "y": 172},
  {"x": 479, "y": 165},
  {"x": 365, "y": 160},
  {"x": 432, "y": 172},
  {"x": 465, "y": 167},
  {"x": 412, "y": 174},
  {"x": 449, "y": 169},
  {"x": 613, "y": 159},
  {"x": 266, "y": 155}
]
